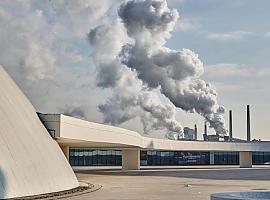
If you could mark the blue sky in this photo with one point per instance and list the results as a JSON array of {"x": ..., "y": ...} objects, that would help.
[
  {"x": 232, "y": 39},
  {"x": 225, "y": 17},
  {"x": 44, "y": 47}
]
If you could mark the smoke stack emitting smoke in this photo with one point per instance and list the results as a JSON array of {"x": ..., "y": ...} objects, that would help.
[{"x": 136, "y": 70}]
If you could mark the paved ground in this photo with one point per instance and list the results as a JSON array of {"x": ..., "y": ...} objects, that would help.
[{"x": 186, "y": 183}]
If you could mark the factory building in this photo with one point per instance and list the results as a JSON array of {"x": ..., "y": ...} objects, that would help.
[{"x": 190, "y": 134}]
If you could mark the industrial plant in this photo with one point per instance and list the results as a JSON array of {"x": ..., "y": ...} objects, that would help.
[
  {"x": 127, "y": 100},
  {"x": 192, "y": 134}
]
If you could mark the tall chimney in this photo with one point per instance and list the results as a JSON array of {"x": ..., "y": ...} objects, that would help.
[
  {"x": 248, "y": 123},
  {"x": 205, "y": 138},
  {"x": 230, "y": 124},
  {"x": 195, "y": 131},
  {"x": 205, "y": 128}
]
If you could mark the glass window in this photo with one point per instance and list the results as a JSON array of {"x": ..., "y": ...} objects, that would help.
[
  {"x": 95, "y": 157},
  {"x": 91, "y": 157}
]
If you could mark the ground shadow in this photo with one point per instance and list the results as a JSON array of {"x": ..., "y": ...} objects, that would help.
[{"x": 219, "y": 173}]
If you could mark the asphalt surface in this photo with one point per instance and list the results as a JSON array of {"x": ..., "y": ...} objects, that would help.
[{"x": 158, "y": 183}]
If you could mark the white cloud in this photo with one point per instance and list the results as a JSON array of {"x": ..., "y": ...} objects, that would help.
[
  {"x": 232, "y": 70},
  {"x": 186, "y": 24},
  {"x": 228, "y": 87},
  {"x": 267, "y": 35},
  {"x": 39, "y": 37},
  {"x": 44, "y": 47},
  {"x": 172, "y": 3},
  {"x": 25, "y": 40},
  {"x": 235, "y": 35},
  {"x": 73, "y": 18},
  {"x": 238, "y": 79}
]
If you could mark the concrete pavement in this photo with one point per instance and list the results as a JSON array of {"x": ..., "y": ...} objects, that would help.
[{"x": 187, "y": 183}]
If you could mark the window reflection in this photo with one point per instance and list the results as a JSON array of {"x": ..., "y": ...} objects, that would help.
[{"x": 99, "y": 157}]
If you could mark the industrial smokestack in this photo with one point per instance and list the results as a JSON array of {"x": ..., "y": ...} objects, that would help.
[
  {"x": 230, "y": 124},
  {"x": 205, "y": 138},
  {"x": 248, "y": 122},
  {"x": 205, "y": 128},
  {"x": 195, "y": 132}
]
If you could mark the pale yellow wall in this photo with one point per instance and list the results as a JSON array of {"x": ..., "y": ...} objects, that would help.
[
  {"x": 131, "y": 159},
  {"x": 245, "y": 159}
]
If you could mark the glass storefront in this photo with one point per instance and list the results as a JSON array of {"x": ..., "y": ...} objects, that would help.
[
  {"x": 94, "y": 157},
  {"x": 260, "y": 158},
  {"x": 226, "y": 158},
  {"x": 91, "y": 157},
  {"x": 232, "y": 158},
  {"x": 155, "y": 158}
]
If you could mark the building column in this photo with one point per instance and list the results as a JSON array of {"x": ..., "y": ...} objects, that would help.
[
  {"x": 245, "y": 159},
  {"x": 65, "y": 150},
  {"x": 131, "y": 159},
  {"x": 212, "y": 158}
]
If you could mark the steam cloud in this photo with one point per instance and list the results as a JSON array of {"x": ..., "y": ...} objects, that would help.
[
  {"x": 135, "y": 65},
  {"x": 131, "y": 98},
  {"x": 39, "y": 49}
]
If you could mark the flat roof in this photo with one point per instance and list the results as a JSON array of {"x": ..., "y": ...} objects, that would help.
[{"x": 80, "y": 133}]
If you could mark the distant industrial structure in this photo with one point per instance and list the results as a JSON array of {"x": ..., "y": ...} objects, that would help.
[
  {"x": 190, "y": 134},
  {"x": 216, "y": 137},
  {"x": 248, "y": 123},
  {"x": 230, "y": 125}
]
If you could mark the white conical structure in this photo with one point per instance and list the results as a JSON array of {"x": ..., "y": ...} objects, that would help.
[{"x": 31, "y": 162}]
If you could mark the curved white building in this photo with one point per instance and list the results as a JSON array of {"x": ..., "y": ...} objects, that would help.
[
  {"x": 70, "y": 132},
  {"x": 31, "y": 162}
]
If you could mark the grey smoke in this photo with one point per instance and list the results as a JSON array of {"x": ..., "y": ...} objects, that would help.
[
  {"x": 74, "y": 111},
  {"x": 177, "y": 73},
  {"x": 42, "y": 48},
  {"x": 137, "y": 64},
  {"x": 144, "y": 19},
  {"x": 131, "y": 98}
]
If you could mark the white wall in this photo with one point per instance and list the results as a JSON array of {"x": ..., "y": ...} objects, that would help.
[
  {"x": 82, "y": 133},
  {"x": 31, "y": 162}
]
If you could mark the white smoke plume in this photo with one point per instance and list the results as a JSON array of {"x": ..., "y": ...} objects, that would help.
[
  {"x": 149, "y": 23},
  {"x": 42, "y": 48},
  {"x": 146, "y": 65},
  {"x": 130, "y": 98}
]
